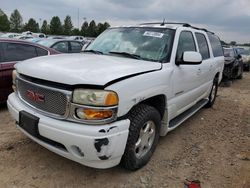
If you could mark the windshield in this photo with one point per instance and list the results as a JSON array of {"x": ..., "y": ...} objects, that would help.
[
  {"x": 47, "y": 43},
  {"x": 153, "y": 44},
  {"x": 245, "y": 52}
]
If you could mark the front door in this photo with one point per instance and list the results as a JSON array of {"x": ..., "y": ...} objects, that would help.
[{"x": 186, "y": 78}]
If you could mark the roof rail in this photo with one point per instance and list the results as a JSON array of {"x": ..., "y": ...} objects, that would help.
[
  {"x": 163, "y": 23},
  {"x": 178, "y": 23}
]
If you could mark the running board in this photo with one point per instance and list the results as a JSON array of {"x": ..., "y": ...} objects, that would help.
[{"x": 187, "y": 114}]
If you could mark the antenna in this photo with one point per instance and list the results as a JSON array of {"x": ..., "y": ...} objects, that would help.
[{"x": 163, "y": 23}]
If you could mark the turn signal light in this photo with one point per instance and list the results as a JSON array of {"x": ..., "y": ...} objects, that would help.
[{"x": 92, "y": 114}]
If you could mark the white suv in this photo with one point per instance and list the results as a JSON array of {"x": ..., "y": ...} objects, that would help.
[{"x": 112, "y": 103}]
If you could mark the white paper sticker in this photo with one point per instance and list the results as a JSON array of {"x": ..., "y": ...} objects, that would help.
[{"x": 153, "y": 34}]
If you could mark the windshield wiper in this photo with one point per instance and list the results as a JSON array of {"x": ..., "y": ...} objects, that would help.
[
  {"x": 134, "y": 56},
  {"x": 93, "y": 51}
]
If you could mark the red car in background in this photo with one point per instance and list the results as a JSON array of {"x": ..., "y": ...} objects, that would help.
[{"x": 11, "y": 52}]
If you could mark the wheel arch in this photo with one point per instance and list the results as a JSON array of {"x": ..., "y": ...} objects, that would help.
[{"x": 158, "y": 102}]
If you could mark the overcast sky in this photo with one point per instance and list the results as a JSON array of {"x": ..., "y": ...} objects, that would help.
[{"x": 230, "y": 19}]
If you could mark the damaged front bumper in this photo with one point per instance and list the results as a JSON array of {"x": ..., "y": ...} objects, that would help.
[{"x": 99, "y": 146}]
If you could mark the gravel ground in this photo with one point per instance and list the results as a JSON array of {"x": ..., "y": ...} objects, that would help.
[{"x": 213, "y": 146}]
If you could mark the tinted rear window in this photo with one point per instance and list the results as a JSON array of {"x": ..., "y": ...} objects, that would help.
[
  {"x": 202, "y": 44},
  {"x": 216, "y": 45},
  {"x": 41, "y": 52},
  {"x": 75, "y": 47},
  {"x": 18, "y": 52}
]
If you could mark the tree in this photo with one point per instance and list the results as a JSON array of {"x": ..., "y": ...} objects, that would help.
[
  {"x": 92, "y": 29},
  {"x": 4, "y": 22},
  {"x": 32, "y": 26},
  {"x": 84, "y": 29},
  {"x": 233, "y": 43},
  {"x": 68, "y": 26},
  {"x": 16, "y": 21},
  {"x": 55, "y": 26},
  {"x": 76, "y": 31},
  {"x": 102, "y": 27},
  {"x": 45, "y": 27},
  {"x": 223, "y": 42}
]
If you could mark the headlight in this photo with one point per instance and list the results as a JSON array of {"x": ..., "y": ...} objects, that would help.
[
  {"x": 14, "y": 74},
  {"x": 95, "y": 97},
  {"x": 94, "y": 106}
]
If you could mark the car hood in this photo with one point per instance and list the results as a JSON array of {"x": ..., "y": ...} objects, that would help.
[{"x": 90, "y": 69}]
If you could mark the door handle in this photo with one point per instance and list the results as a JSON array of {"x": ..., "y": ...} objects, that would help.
[{"x": 198, "y": 71}]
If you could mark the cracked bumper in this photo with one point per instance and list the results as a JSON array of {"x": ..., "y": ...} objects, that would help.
[{"x": 99, "y": 146}]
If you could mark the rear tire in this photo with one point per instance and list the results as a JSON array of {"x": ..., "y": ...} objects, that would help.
[
  {"x": 240, "y": 76},
  {"x": 247, "y": 68},
  {"x": 213, "y": 94},
  {"x": 144, "y": 132}
]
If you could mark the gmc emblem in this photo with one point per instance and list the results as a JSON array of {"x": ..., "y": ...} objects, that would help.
[{"x": 35, "y": 96}]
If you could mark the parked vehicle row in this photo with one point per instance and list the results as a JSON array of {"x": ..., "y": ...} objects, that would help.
[
  {"x": 233, "y": 64},
  {"x": 245, "y": 54},
  {"x": 11, "y": 52},
  {"x": 63, "y": 45}
]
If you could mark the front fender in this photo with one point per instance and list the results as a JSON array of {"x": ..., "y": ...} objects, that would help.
[{"x": 133, "y": 90}]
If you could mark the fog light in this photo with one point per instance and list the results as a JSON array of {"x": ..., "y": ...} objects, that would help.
[{"x": 93, "y": 114}]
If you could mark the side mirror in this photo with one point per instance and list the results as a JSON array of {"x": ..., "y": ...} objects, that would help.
[
  {"x": 239, "y": 56},
  {"x": 190, "y": 58}
]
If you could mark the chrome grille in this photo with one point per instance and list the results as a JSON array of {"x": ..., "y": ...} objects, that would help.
[{"x": 54, "y": 102}]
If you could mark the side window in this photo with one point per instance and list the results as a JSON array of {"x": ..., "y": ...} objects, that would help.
[
  {"x": 61, "y": 47},
  {"x": 41, "y": 52},
  {"x": 216, "y": 45},
  {"x": 75, "y": 47},
  {"x": 203, "y": 46},
  {"x": 186, "y": 43},
  {"x": 18, "y": 52}
]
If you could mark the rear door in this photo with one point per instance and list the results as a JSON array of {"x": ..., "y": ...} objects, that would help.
[
  {"x": 62, "y": 46},
  {"x": 2, "y": 98},
  {"x": 206, "y": 67},
  {"x": 75, "y": 47}
]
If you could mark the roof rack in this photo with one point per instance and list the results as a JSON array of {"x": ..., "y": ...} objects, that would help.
[
  {"x": 179, "y": 23},
  {"x": 163, "y": 23}
]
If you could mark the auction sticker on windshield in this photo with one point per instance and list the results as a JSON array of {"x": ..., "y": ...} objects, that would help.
[{"x": 153, "y": 34}]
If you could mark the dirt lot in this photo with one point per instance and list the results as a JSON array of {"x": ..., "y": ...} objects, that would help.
[{"x": 213, "y": 146}]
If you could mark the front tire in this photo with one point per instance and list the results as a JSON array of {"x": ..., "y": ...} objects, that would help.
[
  {"x": 213, "y": 94},
  {"x": 144, "y": 132}
]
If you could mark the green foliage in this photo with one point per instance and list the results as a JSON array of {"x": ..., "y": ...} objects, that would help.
[
  {"x": 68, "y": 26},
  {"x": 93, "y": 30},
  {"x": 102, "y": 27},
  {"x": 16, "y": 21},
  {"x": 56, "y": 26},
  {"x": 223, "y": 42},
  {"x": 233, "y": 43},
  {"x": 84, "y": 28},
  {"x": 76, "y": 31},
  {"x": 32, "y": 26},
  {"x": 45, "y": 27},
  {"x": 4, "y": 22}
]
